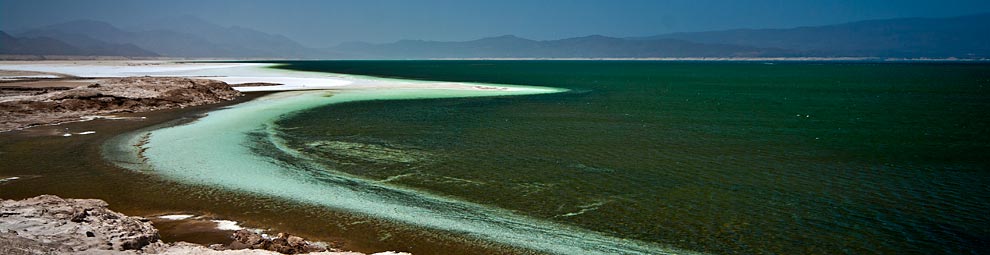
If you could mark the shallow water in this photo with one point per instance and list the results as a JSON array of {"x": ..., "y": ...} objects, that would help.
[
  {"x": 635, "y": 157},
  {"x": 45, "y": 162},
  {"x": 715, "y": 157},
  {"x": 195, "y": 153}
]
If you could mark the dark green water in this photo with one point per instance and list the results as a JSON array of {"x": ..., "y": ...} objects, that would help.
[{"x": 787, "y": 158}]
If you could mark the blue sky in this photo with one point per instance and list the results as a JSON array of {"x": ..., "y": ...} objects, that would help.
[{"x": 324, "y": 23}]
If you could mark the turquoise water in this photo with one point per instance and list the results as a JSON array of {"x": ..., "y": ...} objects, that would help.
[
  {"x": 635, "y": 157},
  {"x": 211, "y": 151}
]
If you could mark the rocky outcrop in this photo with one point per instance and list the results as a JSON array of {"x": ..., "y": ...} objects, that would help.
[
  {"x": 282, "y": 243},
  {"x": 132, "y": 94},
  {"x": 70, "y": 225},
  {"x": 51, "y": 225}
]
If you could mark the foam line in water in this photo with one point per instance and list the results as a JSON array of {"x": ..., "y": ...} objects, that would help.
[{"x": 213, "y": 151}]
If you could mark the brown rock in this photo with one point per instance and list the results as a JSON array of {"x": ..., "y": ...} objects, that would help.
[
  {"x": 52, "y": 225},
  {"x": 74, "y": 224},
  {"x": 132, "y": 94},
  {"x": 281, "y": 243}
]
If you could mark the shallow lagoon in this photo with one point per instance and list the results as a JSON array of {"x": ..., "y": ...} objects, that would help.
[
  {"x": 711, "y": 157},
  {"x": 211, "y": 151}
]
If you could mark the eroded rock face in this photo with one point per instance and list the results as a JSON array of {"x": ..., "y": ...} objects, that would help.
[
  {"x": 68, "y": 225},
  {"x": 131, "y": 94},
  {"x": 282, "y": 243}
]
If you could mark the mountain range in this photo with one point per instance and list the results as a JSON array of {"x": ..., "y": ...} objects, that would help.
[
  {"x": 595, "y": 46},
  {"x": 183, "y": 36},
  {"x": 81, "y": 46},
  {"x": 962, "y": 37},
  {"x": 191, "y": 37}
]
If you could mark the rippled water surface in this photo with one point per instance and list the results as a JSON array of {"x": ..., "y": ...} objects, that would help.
[{"x": 716, "y": 157}]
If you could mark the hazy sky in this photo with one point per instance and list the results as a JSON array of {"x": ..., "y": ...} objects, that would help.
[{"x": 325, "y": 23}]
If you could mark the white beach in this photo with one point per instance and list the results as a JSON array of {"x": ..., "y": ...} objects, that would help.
[{"x": 237, "y": 73}]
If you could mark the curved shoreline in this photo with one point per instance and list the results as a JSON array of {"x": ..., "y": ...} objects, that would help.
[
  {"x": 170, "y": 143},
  {"x": 210, "y": 151},
  {"x": 128, "y": 190}
]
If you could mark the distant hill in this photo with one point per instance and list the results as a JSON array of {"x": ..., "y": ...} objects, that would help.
[
  {"x": 184, "y": 36},
  {"x": 595, "y": 46},
  {"x": 81, "y": 33},
  {"x": 235, "y": 40},
  {"x": 82, "y": 46},
  {"x": 962, "y": 37},
  {"x": 34, "y": 46}
]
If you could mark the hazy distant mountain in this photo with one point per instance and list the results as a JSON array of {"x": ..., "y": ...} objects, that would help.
[
  {"x": 34, "y": 46},
  {"x": 192, "y": 37},
  {"x": 189, "y": 36},
  {"x": 964, "y": 37},
  {"x": 503, "y": 46},
  {"x": 81, "y": 33},
  {"x": 595, "y": 46},
  {"x": 81, "y": 46},
  {"x": 236, "y": 40}
]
